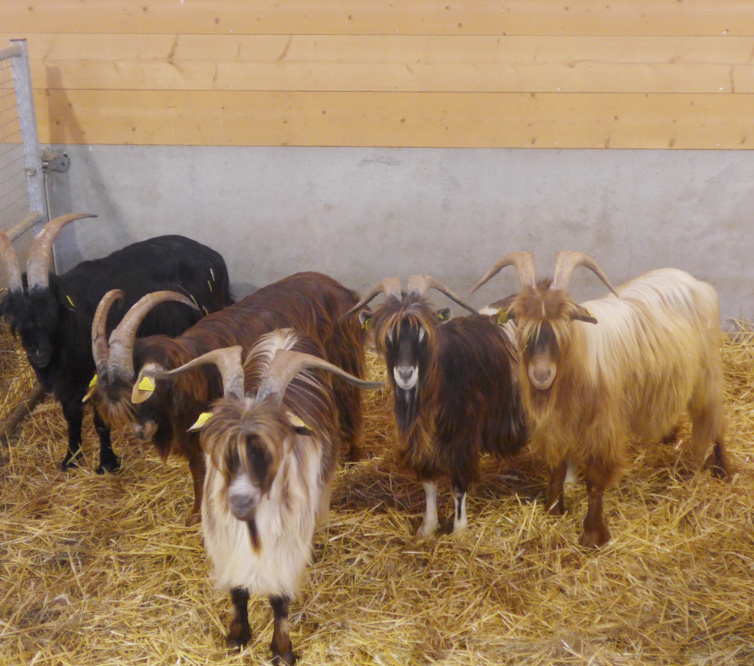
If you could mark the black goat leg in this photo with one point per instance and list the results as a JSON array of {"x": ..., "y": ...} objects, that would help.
[
  {"x": 282, "y": 651},
  {"x": 108, "y": 461},
  {"x": 73, "y": 413},
  {"x": 239, "y": 633}
]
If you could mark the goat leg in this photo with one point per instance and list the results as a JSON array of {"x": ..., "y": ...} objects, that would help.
[
  {"x": 430, "y": 509},
  {"x": 73, "y": 413},
  {"x": 595, "y": 533},
  {"x": 198, "y": 472},
  {"x": 459, "y": 494},
  {"x": 239, "y": 633},
  {"x": 718, "y": 461},
  {"x": 554, "y": 496},
  {"x": 282, "y": 651},
  {"x": 108, "y": 461}
]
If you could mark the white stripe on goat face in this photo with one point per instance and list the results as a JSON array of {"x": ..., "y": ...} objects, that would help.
[{"x": 406, "y": 375}]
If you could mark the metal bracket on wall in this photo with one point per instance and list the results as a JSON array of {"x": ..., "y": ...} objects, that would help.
[{"x": 55, "y": 160}]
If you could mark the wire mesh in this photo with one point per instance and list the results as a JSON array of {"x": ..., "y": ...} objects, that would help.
[{"x": 14, "y": 193}]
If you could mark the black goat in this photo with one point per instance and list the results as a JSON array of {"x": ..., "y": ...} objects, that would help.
[
  {"x": 52, "y": 314},
  {"x": 454, "y": 384}
]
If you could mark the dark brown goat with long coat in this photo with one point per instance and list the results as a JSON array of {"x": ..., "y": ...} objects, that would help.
[
  {"x": 455, "y": 388},
  {"x": 163, "y": 411}
]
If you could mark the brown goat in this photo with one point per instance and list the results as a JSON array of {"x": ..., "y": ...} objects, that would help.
[
  {"x": 598, "y": 375},
  {"x": 129, "y": 393},
  {"x": 455, "y": 388}
]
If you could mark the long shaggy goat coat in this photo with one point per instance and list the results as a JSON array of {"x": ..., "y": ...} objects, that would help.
[
  {"x": 302, "y": 461},
  {"x": 467, "y": 401},
  {"x": 653, "y": 354}
]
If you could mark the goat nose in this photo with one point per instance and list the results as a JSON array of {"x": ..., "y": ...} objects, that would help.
[
  {"x": 405, "y": 373},
  {"x": 542, "y": 376},
  {"x": 242, "y": 506}
]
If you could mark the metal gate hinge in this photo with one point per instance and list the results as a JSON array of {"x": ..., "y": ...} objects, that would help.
[{"x": 55, "y": 160}]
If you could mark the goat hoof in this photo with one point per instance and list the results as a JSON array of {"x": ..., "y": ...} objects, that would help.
[
  {"x": 288, "y": 658},
  {"x": 194, "y": 519},
  {"x": 595, "y": 539},
  {"x": 109, "y": 464},
  {"x": 238, "y": 637},
  {"x": 71, "y": 460}
]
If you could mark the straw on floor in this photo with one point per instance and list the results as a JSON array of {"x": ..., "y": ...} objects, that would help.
[{"x": 100, "y": 569}]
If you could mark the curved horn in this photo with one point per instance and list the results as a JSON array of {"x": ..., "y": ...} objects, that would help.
[
  {"x": 524, "y": 263},
  {"x": 565, "y": 263},
  {"x": 121, "y": 363},
  {"x": 100, "y": 349},
  {"x": 419, "y": 284},
  {"x": 10, "y": 262},
  {"x": 40, "y": 254},
  {"x": 228, "y": 362},
  {"x": 391, "y": 287},
  {"x": 287, "y": 364}
]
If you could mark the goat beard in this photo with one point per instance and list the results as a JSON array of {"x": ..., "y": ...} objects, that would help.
[
  {"x": 406, "y": 406},
  {"x": 254, "y": 535}
]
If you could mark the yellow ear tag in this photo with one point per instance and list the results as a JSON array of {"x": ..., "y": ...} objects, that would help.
[
  {"x": 93, "y": 383},
  {"x": 70, "y": 301},
  {"x": 296, "y": 422},
  {"x": 146, "y": 384},
  {"x": 367, "y": 324},
  {"x": 203, "y": 418},
  {"x": 503, "y": 317}
]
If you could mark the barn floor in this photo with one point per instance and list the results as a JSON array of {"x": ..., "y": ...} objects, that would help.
[{"x": 100, "y": 570}]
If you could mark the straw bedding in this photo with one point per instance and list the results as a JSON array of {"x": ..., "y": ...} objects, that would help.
[{"x": 100, "y": 570}]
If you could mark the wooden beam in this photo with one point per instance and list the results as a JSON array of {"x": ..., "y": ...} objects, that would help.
[
  {"x": 507, "y": 120},
  {"x": 380, "y": 17},
  {"x": 392, "y": 63}
]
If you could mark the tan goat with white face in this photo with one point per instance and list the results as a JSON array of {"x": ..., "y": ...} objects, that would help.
[{"x": 617, "y": 369}]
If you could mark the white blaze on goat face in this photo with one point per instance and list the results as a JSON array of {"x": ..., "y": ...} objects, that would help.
[{"x": 406, "y": 377}]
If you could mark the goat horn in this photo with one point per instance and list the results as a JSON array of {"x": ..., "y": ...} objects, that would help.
[
  {"x": 524, "y": 263},
  {"x": 40, "y": 254},
  {"x": 391, "y": 287},
  {"x": 10, "y": 262},
  {"x": 120, "y": 362},
  {"x": 287, "y": 364},
  {"x": 228, "y": 362},
  {"x": 419, "y": 284},
  {"x": 565, "y": 263},
  {"x": 100, "y": 349}
]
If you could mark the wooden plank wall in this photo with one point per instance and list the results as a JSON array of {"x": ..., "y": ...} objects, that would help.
[{"x": 451, "y": 73}]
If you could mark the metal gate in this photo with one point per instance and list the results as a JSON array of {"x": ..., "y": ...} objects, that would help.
[{"x": 22, "y": 195}]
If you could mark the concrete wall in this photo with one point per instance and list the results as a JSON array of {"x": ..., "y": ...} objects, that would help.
[{"x": 362, "y": 214}]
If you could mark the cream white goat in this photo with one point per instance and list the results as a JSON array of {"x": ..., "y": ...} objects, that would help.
[
  {"x": 271, "y": 452},
  {"x": 598, "y": 375}
]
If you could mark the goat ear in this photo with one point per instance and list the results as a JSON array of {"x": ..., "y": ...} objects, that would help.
[
  {"x": 582, "y": 314},
  {"x": 299, "y": 427},
  {"x": 444, "y": 315},
  {"x": 201, "y": 421},
  {"x": 365, "y": 316},
  {"x": 92, "y": 387},
  {"x": 143, "y": 386}
]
